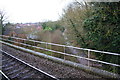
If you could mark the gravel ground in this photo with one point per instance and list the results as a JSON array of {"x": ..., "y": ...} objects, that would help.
[{"x": 53, "y": 68}]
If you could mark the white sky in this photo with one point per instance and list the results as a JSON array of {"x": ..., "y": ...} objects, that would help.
[{"x": 33, "y": 10}]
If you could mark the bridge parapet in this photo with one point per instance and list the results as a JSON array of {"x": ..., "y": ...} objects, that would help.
[{"x": 71, "y": 63}]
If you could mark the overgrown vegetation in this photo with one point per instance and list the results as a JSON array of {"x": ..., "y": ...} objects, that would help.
[
  {"x": 96, "y": 26},
  {"x": 102, "y": 31}
]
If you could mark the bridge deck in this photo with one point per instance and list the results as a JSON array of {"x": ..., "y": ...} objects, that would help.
[{"x": 56, "y": 69}]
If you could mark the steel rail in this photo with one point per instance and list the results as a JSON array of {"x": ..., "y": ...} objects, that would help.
[
  {"x": 29, "y": 65},
  {"x": 67, "y": 54},
  {"x": 4, "y": 75}
]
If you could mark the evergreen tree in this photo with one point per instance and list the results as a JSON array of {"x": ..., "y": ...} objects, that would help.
[{"x": 102, "y": 31}]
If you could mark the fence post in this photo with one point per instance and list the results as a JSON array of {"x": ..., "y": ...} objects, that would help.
[
  {"x": 17, "y": 42},
  {"x": 34, "y": 44},
  {"x": 24, "y": 42},
  {"x": 46, "y": 45},
  {"x": 88, "y": 58},
  {"x": 64, "y": 51},
  {"x": 50, "y": 49}
]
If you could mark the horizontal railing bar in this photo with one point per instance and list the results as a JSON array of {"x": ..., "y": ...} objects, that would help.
[
  {"x": 67, "y": 54},
  {"x": 17, "y": 42},
  {"x": 105, "y": 52},
  {"x": 36, "y": 41},
  {"x": 95, "y": 50},
  {"x": 68, "y": 46},
  {"x": 13, "y": 37}
]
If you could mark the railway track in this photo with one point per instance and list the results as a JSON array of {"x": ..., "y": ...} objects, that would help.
[{"x": 15, "y": 68}]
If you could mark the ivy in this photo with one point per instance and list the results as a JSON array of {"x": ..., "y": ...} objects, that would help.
[{"x": 102, "y": 30}]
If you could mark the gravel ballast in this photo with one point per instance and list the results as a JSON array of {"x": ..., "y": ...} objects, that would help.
[{"x": 53, "y": 68}]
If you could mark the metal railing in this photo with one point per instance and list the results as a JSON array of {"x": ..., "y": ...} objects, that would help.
[{"x": 64, "y": 47}]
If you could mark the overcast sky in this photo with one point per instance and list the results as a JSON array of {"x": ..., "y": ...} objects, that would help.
[{"x": 33, "y": 10}]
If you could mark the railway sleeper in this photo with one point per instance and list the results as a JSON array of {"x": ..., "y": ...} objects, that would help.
[
  {"x": 17, "y": 75},
  {"x": 11, "y": 67},
  {"x": 39, "y": 75},
  {"x": 9, "y": 70},
  {"x": 29, "y": 75},
  {"x": 15, "y": 71},
  {"x": 4, "y": 60},
  {"x": 7, "y": 65},
  {"x": 7, "y": 61}
]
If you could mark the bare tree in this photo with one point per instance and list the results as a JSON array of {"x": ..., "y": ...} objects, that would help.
[
  {"x": 3, "y": 18},
  {"x": 73, "y": 18}
]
